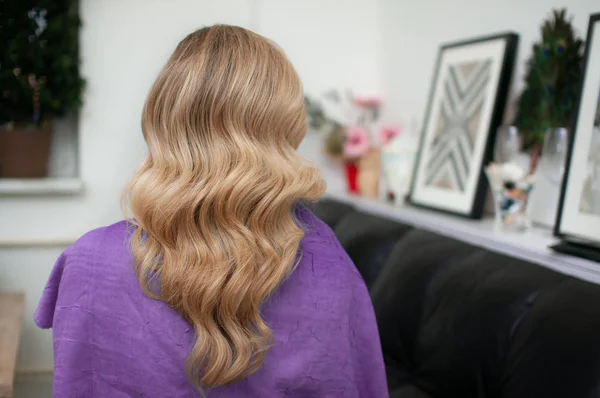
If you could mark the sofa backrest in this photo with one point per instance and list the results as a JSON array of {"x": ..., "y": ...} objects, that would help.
[
  {"x": 457, "y": 320},
  {"x": 367, "y": 239}
]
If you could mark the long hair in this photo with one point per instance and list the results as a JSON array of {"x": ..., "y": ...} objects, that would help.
[{"x": 213, "y": 203}]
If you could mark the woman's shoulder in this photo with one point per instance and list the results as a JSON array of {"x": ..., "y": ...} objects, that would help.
[
  {"x": 108, "y": 239},
  {"x": 77, "y": 271},
  {"x": 99, "y": 254},
  {"x": 315, "y": 230},
  {"x": 322, "y": 246}
]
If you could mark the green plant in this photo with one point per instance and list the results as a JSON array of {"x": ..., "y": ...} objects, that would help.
[
  {"x": 39, "y": 60},
  {"x": 551, "y": 81}
]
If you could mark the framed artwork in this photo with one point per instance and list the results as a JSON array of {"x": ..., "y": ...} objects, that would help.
[
  {"x": 578, "y": 218},
  {"x": 465, "y": 107}
]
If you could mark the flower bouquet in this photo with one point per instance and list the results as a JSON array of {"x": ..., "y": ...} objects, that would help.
[{"x": 353, "y": 136}]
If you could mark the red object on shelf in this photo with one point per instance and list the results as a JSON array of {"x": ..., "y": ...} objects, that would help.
[{"x": 351, "y": 177}]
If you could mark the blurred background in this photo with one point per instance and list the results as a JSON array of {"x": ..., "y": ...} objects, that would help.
[{"x": 385, "y": 49}]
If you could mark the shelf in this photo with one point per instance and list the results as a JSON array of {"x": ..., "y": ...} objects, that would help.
[
  {"x": 25, "y": 243},
  {"x": 531, "y": 245},
  {"x": 42, "y": 186}
]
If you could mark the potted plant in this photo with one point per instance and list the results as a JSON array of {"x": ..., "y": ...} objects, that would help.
[
  {"x": 39, "y": 79},
  {"x": 546, "y": 109},
  {"x": 551, "y": 83}
]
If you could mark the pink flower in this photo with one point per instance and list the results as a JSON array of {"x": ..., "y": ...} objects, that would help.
[
  {"x": 386, "y": 133},
  {"x": 356, "y": 143},
  {"x": 367, "y": 102}
]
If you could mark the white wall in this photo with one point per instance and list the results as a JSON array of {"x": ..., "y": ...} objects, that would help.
[
  {"x": 412, "y": 32},
  {"x": 124, "y": 43},
  {"x": 332, "y": 48},
  {"x": 333, "y": 44}
]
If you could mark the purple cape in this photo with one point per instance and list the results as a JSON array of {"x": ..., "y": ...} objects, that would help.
[{"x": 110, "y": 340}]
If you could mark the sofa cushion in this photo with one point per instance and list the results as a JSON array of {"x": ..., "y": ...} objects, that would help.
[
  {"x": 460, "y": 321},
  {"x": 555, "y": 349},
  {"x": 331, "y": 211},
  {"x": 400, "y": 291},
  {"x": 368, "y": 240},
  {"x": 409, "y": 391}
]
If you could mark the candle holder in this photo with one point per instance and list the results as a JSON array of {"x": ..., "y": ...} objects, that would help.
[{"x": 510, "y": 188}]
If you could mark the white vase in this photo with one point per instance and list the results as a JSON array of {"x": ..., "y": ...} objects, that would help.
[
  {"x": 543, "y": 204},
  {"x": 397, "y": 162}
]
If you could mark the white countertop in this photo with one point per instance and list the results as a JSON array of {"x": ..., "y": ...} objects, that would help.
[{"x": 530, "y": 245}]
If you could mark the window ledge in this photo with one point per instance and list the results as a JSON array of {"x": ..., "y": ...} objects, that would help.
[{"x": 41, "y": 186}]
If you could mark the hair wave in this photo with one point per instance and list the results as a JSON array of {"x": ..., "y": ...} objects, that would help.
[{"x": 213, "y": 203}]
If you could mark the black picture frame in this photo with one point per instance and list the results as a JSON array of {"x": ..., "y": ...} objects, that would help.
[
  {"x": 506, "y": 71},
  {"x": 573, "y": 243}
]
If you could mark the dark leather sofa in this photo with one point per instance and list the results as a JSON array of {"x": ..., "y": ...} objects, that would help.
[{"x": 460, "y": 321}]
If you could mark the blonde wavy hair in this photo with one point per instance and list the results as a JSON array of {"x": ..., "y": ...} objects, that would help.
[{"x": 213, "y": 203}]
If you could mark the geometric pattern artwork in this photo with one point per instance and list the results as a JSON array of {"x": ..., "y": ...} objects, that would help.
[
  {"x": 590, "y": 195},
  {"x": 465, "y": 107},
  {"x": 578, "y": 218},
  {"x": 451, "y": 153}
]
